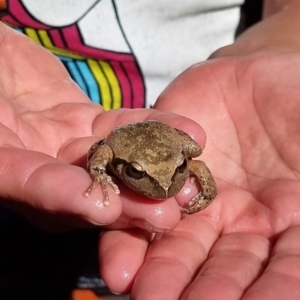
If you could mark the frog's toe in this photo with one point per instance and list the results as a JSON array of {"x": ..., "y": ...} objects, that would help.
[{"x": 198, "y": 203}]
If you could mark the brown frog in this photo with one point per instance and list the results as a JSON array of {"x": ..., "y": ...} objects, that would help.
[{"x": 153, "y": 159}]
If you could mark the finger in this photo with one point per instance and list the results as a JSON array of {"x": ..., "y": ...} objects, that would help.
[
  {"x": 234, "y": 263},
  {"x": 33, "y": 60},
  {"x": 281, "y": 279},
  {"x": 43, "y": 182},
  {"x": 33, "y": 74},
  {"x": 149, "y": 214},
  {"x": 159, "y": 215},
  {"x": 121, "y": 254},
  {"x": 173, "y": 259}
]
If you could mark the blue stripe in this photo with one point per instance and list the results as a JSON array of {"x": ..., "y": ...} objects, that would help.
[
  {"x": 90, "y": 81},
  {"x": 64, "y": 58},
  {"x": 76, "y": 75}
]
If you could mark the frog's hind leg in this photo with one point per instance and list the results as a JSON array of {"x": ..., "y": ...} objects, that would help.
[{"x": 207, "y": 184}]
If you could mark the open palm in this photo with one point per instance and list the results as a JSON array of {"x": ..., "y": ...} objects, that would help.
[
  {"x": 246, "y": 244},
  {"x": 46, "y": 128}
]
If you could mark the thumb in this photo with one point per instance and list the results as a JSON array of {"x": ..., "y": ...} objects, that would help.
[{"x": 46, "y": 184}]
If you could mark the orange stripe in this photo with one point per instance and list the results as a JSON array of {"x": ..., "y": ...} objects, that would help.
[
  {"x": 3, "y": 4},
  {"x": 84, "y": 295}
]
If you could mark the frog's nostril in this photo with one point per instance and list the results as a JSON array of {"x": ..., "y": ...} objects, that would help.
[{"x": 166, "y": 189}]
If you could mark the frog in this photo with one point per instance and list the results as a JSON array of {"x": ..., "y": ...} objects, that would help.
[{"x": 153, "y": 159}]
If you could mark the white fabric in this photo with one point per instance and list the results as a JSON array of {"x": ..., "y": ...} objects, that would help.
[{"x": 166, "y": 36}]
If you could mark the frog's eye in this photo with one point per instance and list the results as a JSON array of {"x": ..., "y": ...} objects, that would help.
[
  {"x": 135, "y": 171},
  {"x": 182, "y": 167}
]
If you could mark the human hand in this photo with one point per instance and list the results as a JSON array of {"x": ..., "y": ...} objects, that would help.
[
  {"x": 245, "y": 245},
  {"x": 46, "y": 128}
]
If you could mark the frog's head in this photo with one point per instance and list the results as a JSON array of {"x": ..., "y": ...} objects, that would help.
[{"x": 155, "y": 179}]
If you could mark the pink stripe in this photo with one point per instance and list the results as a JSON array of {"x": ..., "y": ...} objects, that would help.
[
  {"x": 124, "y": 64},
  {"x": 19, "y": 12},
  {"x": 137, "y": 85},
  {"x": 56, "y": 38},
  {"x": 74, "y": 43},
  {"x": 124, "y": 84},
  {"x": 10, "y": 20}
]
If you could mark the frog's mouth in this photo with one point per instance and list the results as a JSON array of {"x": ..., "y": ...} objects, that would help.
[{"x": 159, "y": 185}]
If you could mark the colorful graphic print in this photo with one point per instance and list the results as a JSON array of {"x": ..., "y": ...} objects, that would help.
[{"x": 109, "y": 78}]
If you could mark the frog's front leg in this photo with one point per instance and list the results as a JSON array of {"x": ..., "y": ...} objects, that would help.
[
  {"x": 99, "y": 156},
  {"x": 207, "y": 184}
]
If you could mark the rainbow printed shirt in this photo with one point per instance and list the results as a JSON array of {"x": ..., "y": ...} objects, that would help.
[{"x": 109, "y": 77}]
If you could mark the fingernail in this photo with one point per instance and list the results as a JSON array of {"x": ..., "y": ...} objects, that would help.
[
  {"x": 116, "y": 293},
  {"x": 96, "y": 223},
  {"x": 148, "y": 226}
]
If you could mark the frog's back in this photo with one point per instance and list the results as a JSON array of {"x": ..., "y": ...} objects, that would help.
[{"x": 144, "y": 140}]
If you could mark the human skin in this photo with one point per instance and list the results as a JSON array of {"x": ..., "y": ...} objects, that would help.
[
  {"x": 47, "y": 126},
  {"x": 245, "y": 245}
]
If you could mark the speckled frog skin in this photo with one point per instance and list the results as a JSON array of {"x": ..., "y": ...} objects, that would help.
[{"x": 153, "y": 159}]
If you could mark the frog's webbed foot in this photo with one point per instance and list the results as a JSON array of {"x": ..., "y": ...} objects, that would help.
[
  {"x": 207, "y": 184},
  {"x": 99, "y": 155},
  {"x": 104, "y": 180}
]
